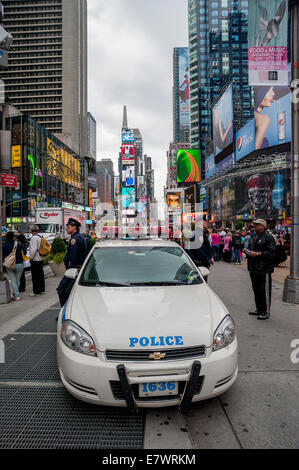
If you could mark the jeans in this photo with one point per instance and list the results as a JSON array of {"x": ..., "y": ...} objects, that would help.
[
  {"x": 237, "y": 255},
  {"x": 15, "y": 276},
  {"x": 215, "y": 250}
]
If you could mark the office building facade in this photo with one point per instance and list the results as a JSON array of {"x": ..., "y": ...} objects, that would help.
[
  {"x": 49, "y": 50},
  {"x": 217, "y": 57}
]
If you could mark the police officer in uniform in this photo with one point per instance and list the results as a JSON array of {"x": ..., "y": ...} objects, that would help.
[
  {"x": 74, "y": 258},
  {"x": 260, "y": 256}
]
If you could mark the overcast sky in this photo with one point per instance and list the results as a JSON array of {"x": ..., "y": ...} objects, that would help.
[{"x": 130, "y": 63}]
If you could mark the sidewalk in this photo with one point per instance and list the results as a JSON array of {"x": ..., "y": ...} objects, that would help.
[
  {"x": 261, "y": 409},
  {"x": 16, "y": 314}
]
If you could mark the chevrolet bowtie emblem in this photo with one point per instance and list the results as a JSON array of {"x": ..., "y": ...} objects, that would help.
[{"x": 157, "y": 356}]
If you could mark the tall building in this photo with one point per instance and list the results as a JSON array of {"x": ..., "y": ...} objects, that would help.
[
  {"x": 217, "y": 56},
  {"x": 47, "y": 72},
  {"x": 138, "y": 150},
  {"x": 92, "y": 136},
  {"x": 181, "y": 95},
  {"x": 171, "y": 162},
  {"x": 104, "y": 185},
  {"x": 107, "y": 165}
]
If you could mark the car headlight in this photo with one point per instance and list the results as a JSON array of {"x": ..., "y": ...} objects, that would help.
[
  {"x": 77, "y": 339},
  {"x": 224, "y": 334}
]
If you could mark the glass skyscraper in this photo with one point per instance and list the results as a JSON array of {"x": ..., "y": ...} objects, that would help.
[{"x": 217, "y": 56}]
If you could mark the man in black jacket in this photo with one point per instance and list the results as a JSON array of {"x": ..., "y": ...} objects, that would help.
[
  {"x": 202, "y": 255},
  {"x": 260, "y": 256}
]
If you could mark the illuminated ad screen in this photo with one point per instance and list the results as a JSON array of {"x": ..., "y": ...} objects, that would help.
[
  {"x": 128, "y": 197},
  {"x": 223, "y": 118},
  {"x": 173, "y": 200},
  {"x": 127, "y": 135},
  {"x": 128, "y": 175},
  {"x": 128, "y": 153},
  {"x": 188, "y": 166}
]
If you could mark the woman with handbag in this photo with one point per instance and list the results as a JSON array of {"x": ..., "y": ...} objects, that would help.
[{"x": 13, "y": 262}]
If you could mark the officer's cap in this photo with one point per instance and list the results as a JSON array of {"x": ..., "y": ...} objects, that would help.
[
  {"x": 74, "y": 223},
  {"x": 260, "y": 222}
]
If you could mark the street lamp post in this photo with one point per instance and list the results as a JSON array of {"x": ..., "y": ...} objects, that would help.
[{"x": 291, "y": 285}]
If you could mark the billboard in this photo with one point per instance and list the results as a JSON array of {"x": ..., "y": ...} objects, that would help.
[
  {"x": 128, "y": 153},
  {"x": 210, "y": 166},
  {"x": 141, "y": 187},
  {"x": 245, "y": 140},
  {"x": 262, "y": 194},
  {"x": 116, "y": 186},
  {"x": 272, "y": 116},
  {"x": 184, "y": 87},
  {"x": 188, "y": 166},
  {"x": 128, "y": 197},
  {"x": 173, "y": 200},
  {"x": 226, "y": 163},
  {"x": 267, "y": 42},
  {"x": 223, "y": 118},
  {"x": 127, "y": 136},
  {"x": 128, "y": 175}
]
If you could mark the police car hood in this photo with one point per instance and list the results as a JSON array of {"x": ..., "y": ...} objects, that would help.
[{"x": 181, "y": 316}]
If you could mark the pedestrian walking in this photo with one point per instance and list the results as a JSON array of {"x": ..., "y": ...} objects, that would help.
[
  {"x": 260, "y": 255},
  {"x": 216, "y": 239},
  {"x": 36, "y": 263},
  {"x": 13, "y": 262},
  {"x": 74, "y": 258},
  {"x": 227, "y": 249},
  {"x": 222, "y": 235},
  {"x": 237, "y": 245}
]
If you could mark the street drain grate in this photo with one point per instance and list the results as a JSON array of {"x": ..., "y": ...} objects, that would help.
[
  {"x": 30, "y": 358},
  {"x": 47, "y": 418},
  {"x": 43, "y": 323}
]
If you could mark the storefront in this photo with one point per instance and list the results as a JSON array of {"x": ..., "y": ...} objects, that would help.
[
  {"x": 48, "y": 172},
  {"x": 252, "y": 192}
]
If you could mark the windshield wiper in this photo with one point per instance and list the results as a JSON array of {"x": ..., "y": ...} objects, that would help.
[
  {"x": 105, "y": 284},
  {"x": 164, "y": 283}
]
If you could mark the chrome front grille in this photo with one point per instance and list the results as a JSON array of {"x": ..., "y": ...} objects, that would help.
[{"x": 125, "y": 355}]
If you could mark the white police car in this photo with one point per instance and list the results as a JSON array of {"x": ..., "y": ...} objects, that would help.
[{"x": 141, "y": 328}]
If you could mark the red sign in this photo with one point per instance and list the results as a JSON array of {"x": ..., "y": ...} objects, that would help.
[{"x": 8, "y": 180}]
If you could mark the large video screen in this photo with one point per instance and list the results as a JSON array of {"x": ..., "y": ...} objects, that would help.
[
  {"x": 127, "y": 135},
  {"x": 128, "y": 153},
  {"x": 128, "y": 197},
  {"x": 188, "y": 166},
  {"x": 223, "y": 118},
  {"x": 184, "y": 91},
  {"x": 128, "y": 175}
]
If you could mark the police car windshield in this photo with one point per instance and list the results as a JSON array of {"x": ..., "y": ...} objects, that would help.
[{"x": 136, "y": 266}]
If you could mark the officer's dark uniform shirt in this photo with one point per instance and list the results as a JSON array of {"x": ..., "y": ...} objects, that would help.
[
  {"x": 76, "y": 251},
  {"x": 265, "y": 244}
]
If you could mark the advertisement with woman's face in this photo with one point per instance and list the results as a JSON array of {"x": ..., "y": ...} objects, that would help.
[
  {"x": 272, "y": 116},
  {"x": 223, "y": 121}
]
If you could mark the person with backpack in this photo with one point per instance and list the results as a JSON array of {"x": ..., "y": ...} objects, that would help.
[
  {"x": 13, "y": 262},
  {"x": 237, "y": 245},
  {"x": 36, "y": 262}
]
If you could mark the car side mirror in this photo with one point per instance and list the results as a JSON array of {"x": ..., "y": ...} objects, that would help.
[
  {"x": 71, "y": 273},
  {"x": 204, "y": 271}
]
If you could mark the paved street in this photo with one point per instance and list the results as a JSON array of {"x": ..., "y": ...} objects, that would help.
[{"x": 259, "y": 412}]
